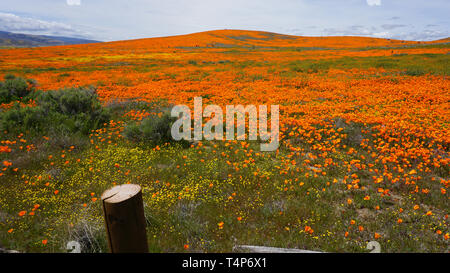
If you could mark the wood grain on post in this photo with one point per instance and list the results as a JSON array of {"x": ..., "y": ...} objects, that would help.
[{"x": 125, "y": 221}]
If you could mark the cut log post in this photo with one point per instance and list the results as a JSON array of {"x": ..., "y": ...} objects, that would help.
[{"x": 124, "y": 218}]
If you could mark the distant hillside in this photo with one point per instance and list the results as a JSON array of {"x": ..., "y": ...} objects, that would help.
[
  {"x": 9, "y": 39},
  {"x": 231, "y": 38}
]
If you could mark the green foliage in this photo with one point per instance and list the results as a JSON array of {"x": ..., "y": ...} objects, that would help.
[
  {"x": 412, "y": 65},
  {"x": 62, "y": 111},
  {"x": 15, "y": 88},
  {"x": 156, "y": 129},
  {"x": 415, "y": 71},
  {"x": 71, "y": 101},
  {"x": 29, "y": 118},
  {"x": 309, "y": 67}
]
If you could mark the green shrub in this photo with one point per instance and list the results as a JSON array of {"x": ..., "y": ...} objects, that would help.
[
  {"x": 71, "y": 101},
  {"x": 156, "y": 129},
  {"x": 15, "y": 88},
  {"x": 5, "y": 96},
  {"x": 62, "y": 111},
  {"x": 29, "y": 118},
  {"x": 133, "y": 132},
  {"x": 9, "y": 77}
]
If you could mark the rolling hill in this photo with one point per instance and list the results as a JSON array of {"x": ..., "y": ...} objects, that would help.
[
  {"x": 9, "y": 39},
  {"x": 231, "y": 38}
]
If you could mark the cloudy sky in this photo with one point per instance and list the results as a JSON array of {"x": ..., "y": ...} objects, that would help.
[{"x": 108, "y": 20}]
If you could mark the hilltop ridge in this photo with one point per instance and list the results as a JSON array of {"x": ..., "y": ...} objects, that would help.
[{"x": 251, "y": 38}]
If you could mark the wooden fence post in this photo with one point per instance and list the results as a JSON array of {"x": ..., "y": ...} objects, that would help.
[{"x": 124, "y": 218}]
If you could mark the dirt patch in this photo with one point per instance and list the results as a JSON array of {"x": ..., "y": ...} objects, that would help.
[{"x": 365, "y": 213}]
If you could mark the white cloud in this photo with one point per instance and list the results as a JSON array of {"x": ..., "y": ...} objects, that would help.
[
  {"x": 402, "y": 32},
  {"x": 374, "y": 2},
  {"x": 73, "y": 2},
  {"x": 13, "y": 23},
  {"x": 423, "y": 35},
  {"x": 383, "y": 34}
]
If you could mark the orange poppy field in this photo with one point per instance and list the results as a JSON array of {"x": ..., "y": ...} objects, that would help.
[{"x": 363, "y": 155}]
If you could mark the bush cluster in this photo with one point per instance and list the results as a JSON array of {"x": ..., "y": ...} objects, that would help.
[
  {"x": 15, "y": 88},
  {"x": 61, "y": 111},
  {"x": 155, "y": 129}
]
